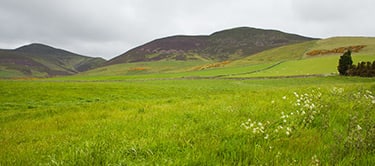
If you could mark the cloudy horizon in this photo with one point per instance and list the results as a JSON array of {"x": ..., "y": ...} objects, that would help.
[{"x": 109, "y": 28}]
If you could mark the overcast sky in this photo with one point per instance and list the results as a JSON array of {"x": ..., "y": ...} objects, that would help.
[{"x": 108, "y": 28}]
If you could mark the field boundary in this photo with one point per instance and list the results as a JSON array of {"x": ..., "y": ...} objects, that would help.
[{"x": 191, "y": 78}]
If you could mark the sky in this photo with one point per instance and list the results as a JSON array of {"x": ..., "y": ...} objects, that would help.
[{"x": 108, "y": 28}]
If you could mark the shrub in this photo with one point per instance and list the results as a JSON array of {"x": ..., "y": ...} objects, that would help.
[
  {"x": 344, "y": 63},
  {"x": 363, "y": 69}
]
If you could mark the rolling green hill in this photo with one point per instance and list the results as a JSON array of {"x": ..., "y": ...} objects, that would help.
[
  {"x": 290, "y": 60},
  {"x": 197, "y": 60},
  {"x": 225, "y": 45},
  {"x": 295, "y": 60},
  {"x": 38, "y": 60}
]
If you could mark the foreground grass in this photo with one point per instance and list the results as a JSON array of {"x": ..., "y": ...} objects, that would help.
[{"x": 188, "y": 122}]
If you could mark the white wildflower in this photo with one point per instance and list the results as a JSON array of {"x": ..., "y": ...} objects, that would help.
[
  {"x": 266, "y": 137},
  {"x": 315, "y": 160},
  {"x": 284, "y": 97},
  {"x": 359, "y": 127},
  {"x": 296, "y": 94}
]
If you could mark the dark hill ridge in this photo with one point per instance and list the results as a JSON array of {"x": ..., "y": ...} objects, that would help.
[
  {"x": 41, "y": 49},
  {"x": 220, "y": 46},
  {"x": 38, "y": 60}
]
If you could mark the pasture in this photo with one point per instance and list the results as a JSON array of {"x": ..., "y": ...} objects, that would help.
[{"x": 288, "y": 121}]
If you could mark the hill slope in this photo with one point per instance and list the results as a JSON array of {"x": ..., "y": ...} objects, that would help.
[
  {"x": 303, "y": 50},
  {"x": 289, "y": 60},
  {"x": 297, "y": 59},
  {"x": 38, "y": 60},
  {"x": 220, "y": 46}
]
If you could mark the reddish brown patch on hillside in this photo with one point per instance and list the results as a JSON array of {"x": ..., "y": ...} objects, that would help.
[
  {"x": 25, "y": 78},
  {"x": 212, "y": 65},
  {"x": 336, "y": 50},
  {"x": 139, "y": 69}
]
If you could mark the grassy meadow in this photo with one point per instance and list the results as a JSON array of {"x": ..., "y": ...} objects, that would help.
[
  {"x": 244, "y": 112},
  {"x": 288, "y": 121}
]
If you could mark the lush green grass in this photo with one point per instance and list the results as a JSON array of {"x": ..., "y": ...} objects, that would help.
[
  {"x": 310, "y": 66},
  {"x": 164, "y": 115},
  {"x": 188, "y": 122}
]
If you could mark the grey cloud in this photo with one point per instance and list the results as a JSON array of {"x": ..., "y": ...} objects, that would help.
[
  {"x": 109, "y": 28},
  {"x": 332, "y": 10},
  {"x": 336, "y": 17}
]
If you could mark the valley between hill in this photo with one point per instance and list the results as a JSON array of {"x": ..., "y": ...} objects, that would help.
[
  {"x": 285, "y": 61},
  {"x": 184, "y": 108}
]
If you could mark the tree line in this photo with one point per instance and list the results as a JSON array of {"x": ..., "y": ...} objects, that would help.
[{"x": 362, "y": 69}]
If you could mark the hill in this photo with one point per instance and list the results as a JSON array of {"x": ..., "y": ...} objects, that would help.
[
  {"x": 38, "y": 60},
  {"x": 220, "y": 46},
  {"x": 304, "y": 50},
  {"x": 289, "y": 60}
]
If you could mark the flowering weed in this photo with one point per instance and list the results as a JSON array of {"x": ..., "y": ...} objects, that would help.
[{"x": 315, "y": 110}]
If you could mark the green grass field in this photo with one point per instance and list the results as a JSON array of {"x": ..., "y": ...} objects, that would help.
[
  {"x": 289, "y": 121},
  {"x": 324, "y": 65},
  {"x": 247, "y": 112}
]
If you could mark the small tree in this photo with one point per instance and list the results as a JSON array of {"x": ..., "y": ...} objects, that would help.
[{"x": 345, "y": 62}]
